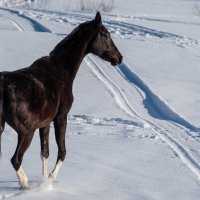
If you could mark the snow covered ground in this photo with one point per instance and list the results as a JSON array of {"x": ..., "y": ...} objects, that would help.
[{"x": 133, "y": 131}]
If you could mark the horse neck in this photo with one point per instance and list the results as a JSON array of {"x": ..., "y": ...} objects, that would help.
[
  {"x": 74, "y": 59},
  {"x": 70, "y": 53}
]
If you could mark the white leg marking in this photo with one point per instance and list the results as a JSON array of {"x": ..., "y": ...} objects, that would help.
[
  {"x": 45, "y": 163},
  {"x": 54, "y": 173},
  {"x": 23, "y": 180}
]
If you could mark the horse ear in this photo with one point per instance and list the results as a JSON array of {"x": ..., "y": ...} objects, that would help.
[{"x": 98, "y": 19}]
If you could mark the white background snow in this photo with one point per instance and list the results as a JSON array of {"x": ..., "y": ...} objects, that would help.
[{"x": 133, "y": 131}]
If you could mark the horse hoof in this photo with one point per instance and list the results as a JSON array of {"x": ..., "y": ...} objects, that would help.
[
  {"x": 51, "y": 177},
  {"x": 24, "y": 188}
]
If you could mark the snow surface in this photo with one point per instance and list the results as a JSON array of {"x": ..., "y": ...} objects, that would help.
[{"x": 133, "y": 131}]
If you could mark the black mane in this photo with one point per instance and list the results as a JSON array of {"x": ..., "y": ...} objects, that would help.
[{"x": 75, "y": 37}]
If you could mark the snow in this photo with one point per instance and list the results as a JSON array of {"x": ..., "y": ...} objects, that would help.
[{"x": 133, "y": 131}]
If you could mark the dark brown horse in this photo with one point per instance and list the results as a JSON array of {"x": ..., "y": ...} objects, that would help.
[{"x": 35, "y": 96}]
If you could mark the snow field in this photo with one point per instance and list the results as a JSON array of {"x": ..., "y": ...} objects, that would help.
[{"x": 138, "y": 136}]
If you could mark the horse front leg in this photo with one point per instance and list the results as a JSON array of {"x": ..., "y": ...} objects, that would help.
[
  {"x": 60, "y": 124},
  {"x": 44, "y": 142},
  {"x": 24, "y": 141}
]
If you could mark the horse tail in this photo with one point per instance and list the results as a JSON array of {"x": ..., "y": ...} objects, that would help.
[{"x": 2, "y": 121}]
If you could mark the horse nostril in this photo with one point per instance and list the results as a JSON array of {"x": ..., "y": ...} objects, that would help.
[{"x": 120, "y": 59}]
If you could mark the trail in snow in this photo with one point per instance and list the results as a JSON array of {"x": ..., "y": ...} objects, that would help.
[
  {"x": 123, "y": 128},
  {"x": 155, "y": 106},
  {"x": 15, "y": 23},
  {"x": 113, "y": 25},
  {"x": 113, "y": 122},
  {"x": 116, "y": 27},
  {"x": 116, "y": 92},
  {"x": 35, "y": 25},
  {"x": 184, "y": 154},
  {"x": 157, "y": 18}
]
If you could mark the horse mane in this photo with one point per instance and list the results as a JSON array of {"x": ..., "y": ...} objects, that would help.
[{"x": 76, "y": 36}]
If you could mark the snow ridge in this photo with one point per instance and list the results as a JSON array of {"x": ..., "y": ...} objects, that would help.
[
  {"x": 115, "y": 91},
  {"x": 36, "y": 25},
  {"x": 155, "y": 106},
  {"x": 183, "y": 153},
  {"x": 92, "y": 120},
  {"x": 117, "y": 28}
]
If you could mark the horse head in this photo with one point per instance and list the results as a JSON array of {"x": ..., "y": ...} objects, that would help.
[{"x": 102, "y": 44}]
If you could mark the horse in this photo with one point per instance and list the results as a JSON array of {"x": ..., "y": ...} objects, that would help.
[{"x": 33, "y": 97}]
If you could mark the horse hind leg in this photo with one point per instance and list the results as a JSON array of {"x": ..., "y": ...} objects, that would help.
[
  {"x": 24, "y": 141},
  {"x": 2, "y": 120},
  {"x": 60, "y": 128},
  {"x": 44, "y": 141},
  {"x": 2, "y": 126}
]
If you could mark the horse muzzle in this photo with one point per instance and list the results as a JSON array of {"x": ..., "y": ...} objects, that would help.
[{"x": 117, "y": 61}]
